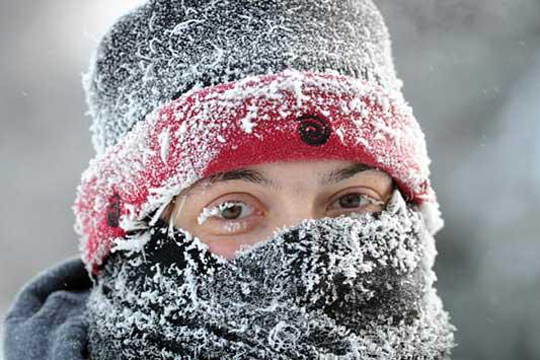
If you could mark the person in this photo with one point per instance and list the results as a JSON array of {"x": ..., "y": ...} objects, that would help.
[{"x": 260, "y": 191}]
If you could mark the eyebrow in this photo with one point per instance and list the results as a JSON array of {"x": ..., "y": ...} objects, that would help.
[
  {"x": 241, "y": 174},
  {"x": 336, "y": 176},
  {"x": 256, "y": 177}
]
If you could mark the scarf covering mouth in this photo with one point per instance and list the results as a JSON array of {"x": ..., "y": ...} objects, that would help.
[{"x": 356, "y": 287}]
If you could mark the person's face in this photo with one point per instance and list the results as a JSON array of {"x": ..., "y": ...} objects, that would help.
[{"x": 239, "y": 208}]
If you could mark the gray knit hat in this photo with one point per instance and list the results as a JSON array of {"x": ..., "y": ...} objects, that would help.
[{"x": 166, "y": 47}]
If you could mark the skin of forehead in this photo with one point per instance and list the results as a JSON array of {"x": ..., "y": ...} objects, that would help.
[{"x": 325, "y": 178}]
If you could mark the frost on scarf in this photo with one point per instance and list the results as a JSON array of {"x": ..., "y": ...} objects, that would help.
[{"x": 345, "y": 288}]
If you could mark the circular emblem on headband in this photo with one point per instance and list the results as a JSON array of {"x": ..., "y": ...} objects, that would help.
[{"x": 313, "y": 130}]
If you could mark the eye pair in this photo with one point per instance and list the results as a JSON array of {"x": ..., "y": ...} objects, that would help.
[{"x": 236, "y": 210}]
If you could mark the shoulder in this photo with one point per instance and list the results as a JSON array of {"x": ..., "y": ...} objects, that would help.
[{"x": 47, "y": 318}]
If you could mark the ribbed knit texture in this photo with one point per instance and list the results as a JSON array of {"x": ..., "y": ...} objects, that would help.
[{"x": 165, "y": 48}]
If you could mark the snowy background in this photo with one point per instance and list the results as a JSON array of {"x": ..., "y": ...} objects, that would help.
[{"x": 471, "y": 70}]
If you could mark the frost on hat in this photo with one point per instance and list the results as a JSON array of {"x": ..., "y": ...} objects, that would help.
[
  {"x": 167, "y": 47},
  {"x": 181, "y": 90}
]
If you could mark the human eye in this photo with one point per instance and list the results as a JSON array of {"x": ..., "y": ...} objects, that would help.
[
  {"x": 227, "y": 210},
  {"x": 229, "y": 216},
  {"x": 355, "y": 202}
]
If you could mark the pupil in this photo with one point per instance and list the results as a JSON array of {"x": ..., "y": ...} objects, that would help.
[
  {"x": 232, "y": 212},
  {"x": 349, "y": 201}
]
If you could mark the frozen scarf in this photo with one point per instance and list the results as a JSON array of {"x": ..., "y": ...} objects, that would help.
[{"x": 344, "y": 288}]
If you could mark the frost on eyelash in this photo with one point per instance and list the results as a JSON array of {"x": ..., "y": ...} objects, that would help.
[
  {"x": 208, "y": 212},
  {"x": 372, "y": 201}
]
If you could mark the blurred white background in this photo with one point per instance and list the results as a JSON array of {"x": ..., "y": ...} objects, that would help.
[{"x": 471, "y": 70}]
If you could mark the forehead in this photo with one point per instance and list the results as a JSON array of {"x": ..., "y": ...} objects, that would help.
[{"x": 296, "y": 173}]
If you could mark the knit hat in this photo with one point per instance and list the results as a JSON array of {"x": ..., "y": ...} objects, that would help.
[{"x": 181, "y": 90}]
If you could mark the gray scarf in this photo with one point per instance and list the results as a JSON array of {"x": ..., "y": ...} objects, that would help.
[{"x": 345, "y": 288}]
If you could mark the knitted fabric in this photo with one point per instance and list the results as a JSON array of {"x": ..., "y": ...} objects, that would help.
[
  {"x": 165, "y": 48},
  {"x": 342, "y": 288}
]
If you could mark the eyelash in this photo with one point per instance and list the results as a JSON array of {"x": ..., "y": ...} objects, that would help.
[
  {"x": 225, "y": 205},
  {"x": 214, "y": 211},
  {"x": 233, "y": 226},
  {"x": 369, "y": 200}
]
